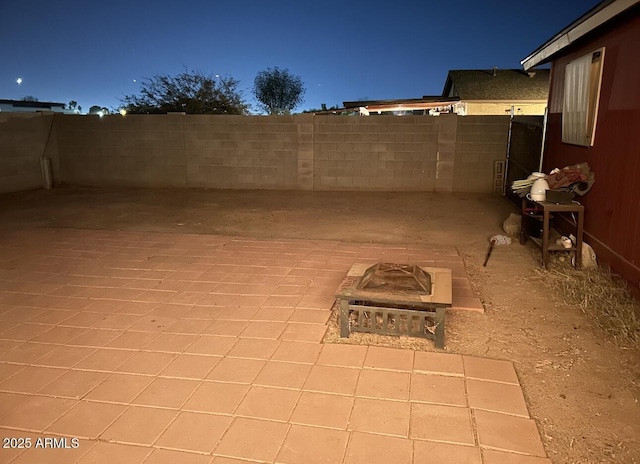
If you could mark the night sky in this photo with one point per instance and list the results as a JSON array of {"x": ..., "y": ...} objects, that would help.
[{"x": 91, "y": 51}]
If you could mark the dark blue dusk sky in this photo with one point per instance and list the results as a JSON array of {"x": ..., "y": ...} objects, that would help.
[{"x": 92, "y": 50}]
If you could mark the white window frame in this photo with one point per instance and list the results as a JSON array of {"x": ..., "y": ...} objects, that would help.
[{"x": 582, "y": 82}]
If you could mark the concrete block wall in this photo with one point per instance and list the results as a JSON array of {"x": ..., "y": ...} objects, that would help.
[
  {"x": 447, "y": 153},
  {"x": 241, "y": 151},
  {"x": 480, "y": 141},
  {"x": 375, "y": 153},
  {"x": 136, "y": 151},
  {"x": 24, "y": 139}
]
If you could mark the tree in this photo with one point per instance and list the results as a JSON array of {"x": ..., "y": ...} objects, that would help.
[
  {"x": 189, "y": 92},
  {"x": 29, "y": 98},
  {"x": 99, "y": 110},
  {"x": 73, "y": 105},
  {"x": 278, "y": 91}
]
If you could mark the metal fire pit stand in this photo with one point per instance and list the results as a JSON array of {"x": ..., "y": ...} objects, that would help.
[{"x": 412, "y": 314}]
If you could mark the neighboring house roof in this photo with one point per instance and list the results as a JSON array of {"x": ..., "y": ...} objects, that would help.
[
  {"x": 394, "y": 102},
  {"x": 592, "y": 19},
  {"x": 497, "y": 84},
  {"x": 26, "y": 106},
  {"x": 31, "y": 104}
]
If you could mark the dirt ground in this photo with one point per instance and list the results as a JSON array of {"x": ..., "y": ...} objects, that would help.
[{"x": 581, "y": 387}]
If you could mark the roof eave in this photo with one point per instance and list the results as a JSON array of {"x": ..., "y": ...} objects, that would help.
[{"x": 575, "y": 31}]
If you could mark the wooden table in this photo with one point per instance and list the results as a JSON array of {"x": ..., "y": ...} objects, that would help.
[{"x": 545, "y": 243}]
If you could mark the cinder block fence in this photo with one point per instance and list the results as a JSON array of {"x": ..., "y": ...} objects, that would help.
[{"x": 447, "y": 153}]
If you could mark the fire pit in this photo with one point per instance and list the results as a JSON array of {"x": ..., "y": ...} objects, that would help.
[{"x": 395, "y": 299}]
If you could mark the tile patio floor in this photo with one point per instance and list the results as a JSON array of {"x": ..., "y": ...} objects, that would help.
[{"x": 159, "y": 348}]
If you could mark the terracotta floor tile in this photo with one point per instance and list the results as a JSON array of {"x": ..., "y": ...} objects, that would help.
[
  {"x": 490, "y": 369},
  {"x": 268, "y": 403},
  {"x": 282, "y": 301},
  {"x": 299, "y": 352},
  {"x": 244, "y": 313},
  {"x": 438, "y": 389},
  {"x": 9, "y": 401},
  {"x": 289, "y": 290},
  {"x": 133, "y": 340},
  {"x": 237, "y": 370},
  {"x": 9, "y": 370},
  {"x": 379, "y": 357},
  {"x": 438, "y": 363},
  {"x": 323, "y": 410},
  {"x": 108, "y": 453},
  {"x": 27, "y": 352},
  {"x": 10, "y": 454},
  {"x": 468, "y": 303},
  {"x": 191, "y": 366},
  {"x": 74, "y": 384},
  {"x": 283, "y": 374},
  {"x": 216, "y": 397},
  {"x": 225, "y": 327},
  {"x": 119, "y": 388},
  {"x": 380, "y": 416},
  {"x": 171, "y": 343},
  {"x": 212, "y": 344},
  {"x": 188, "y": 326},
  {"x": 428, "y": 451},
  {"x": 43, "y": 455},
  {"x": 186, "y": 432},
  {"x": 146, "y": 363},
  {"x": 383, "y": 385},
  {"x": 273, "y": 314},
  {"x": 136, "y": 308},
  {"x": 170, "y": 310},
  {"x": 441, "y": 423},
  {"x": 166, "y": 393},
  {"x": 256, "y": 348},
  {"x": 310, "y": 316},
  {"x": 508, "y": 433},
  {"x": 163, "y": 456},
  {"x": 103, "y": 305},
  {"x": 37, "y": 413},
  {"x": 153, "y": 323},
  {"x": 7, "y": 345},
  {"x": 21, "y": 314},
  {"x": 86, "y": 420},
  {"x": 52, "y": 316},
  {"x": 138, "y": 425},
  {"x": 499, "y": 457},
  {"x": 252, "y": 439},
  {"x": 260, "y": 329},
  {"x": 250, "y": 300},
  {"x": 342, "y": 355},
  {"x": 83, "y": 319},
  {"x": 296, "y": 280},
  {"x": 225, "y": 460},
  {"x": 365, "y": 448},
  {"x": 117, "y": 321},
  {"x": 95, "y": 338},
  {"x": 24, "y": 332},
  {"x": 105, "y": 359},
  {"x": 312, "y": 445},
  {"x": 64, "y": 356},
  {"x": 295, "y": 332},
  {"x": 31, "y": 379},
  {"x": 497, "y": 397},
  {"x": 329, "y": 379}
]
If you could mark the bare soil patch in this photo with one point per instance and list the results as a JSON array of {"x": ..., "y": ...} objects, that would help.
[{"x": 581, "y": 384}]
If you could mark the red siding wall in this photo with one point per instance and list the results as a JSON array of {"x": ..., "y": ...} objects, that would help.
[{"x": 612, "y": 207}]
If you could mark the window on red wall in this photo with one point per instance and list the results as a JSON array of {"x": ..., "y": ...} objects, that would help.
[{"x": 582, "y": 78}]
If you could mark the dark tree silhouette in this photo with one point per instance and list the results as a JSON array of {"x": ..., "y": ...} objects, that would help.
[
  {"x": 189, "y": 92},
  {"x": 278, "y": 91}
]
